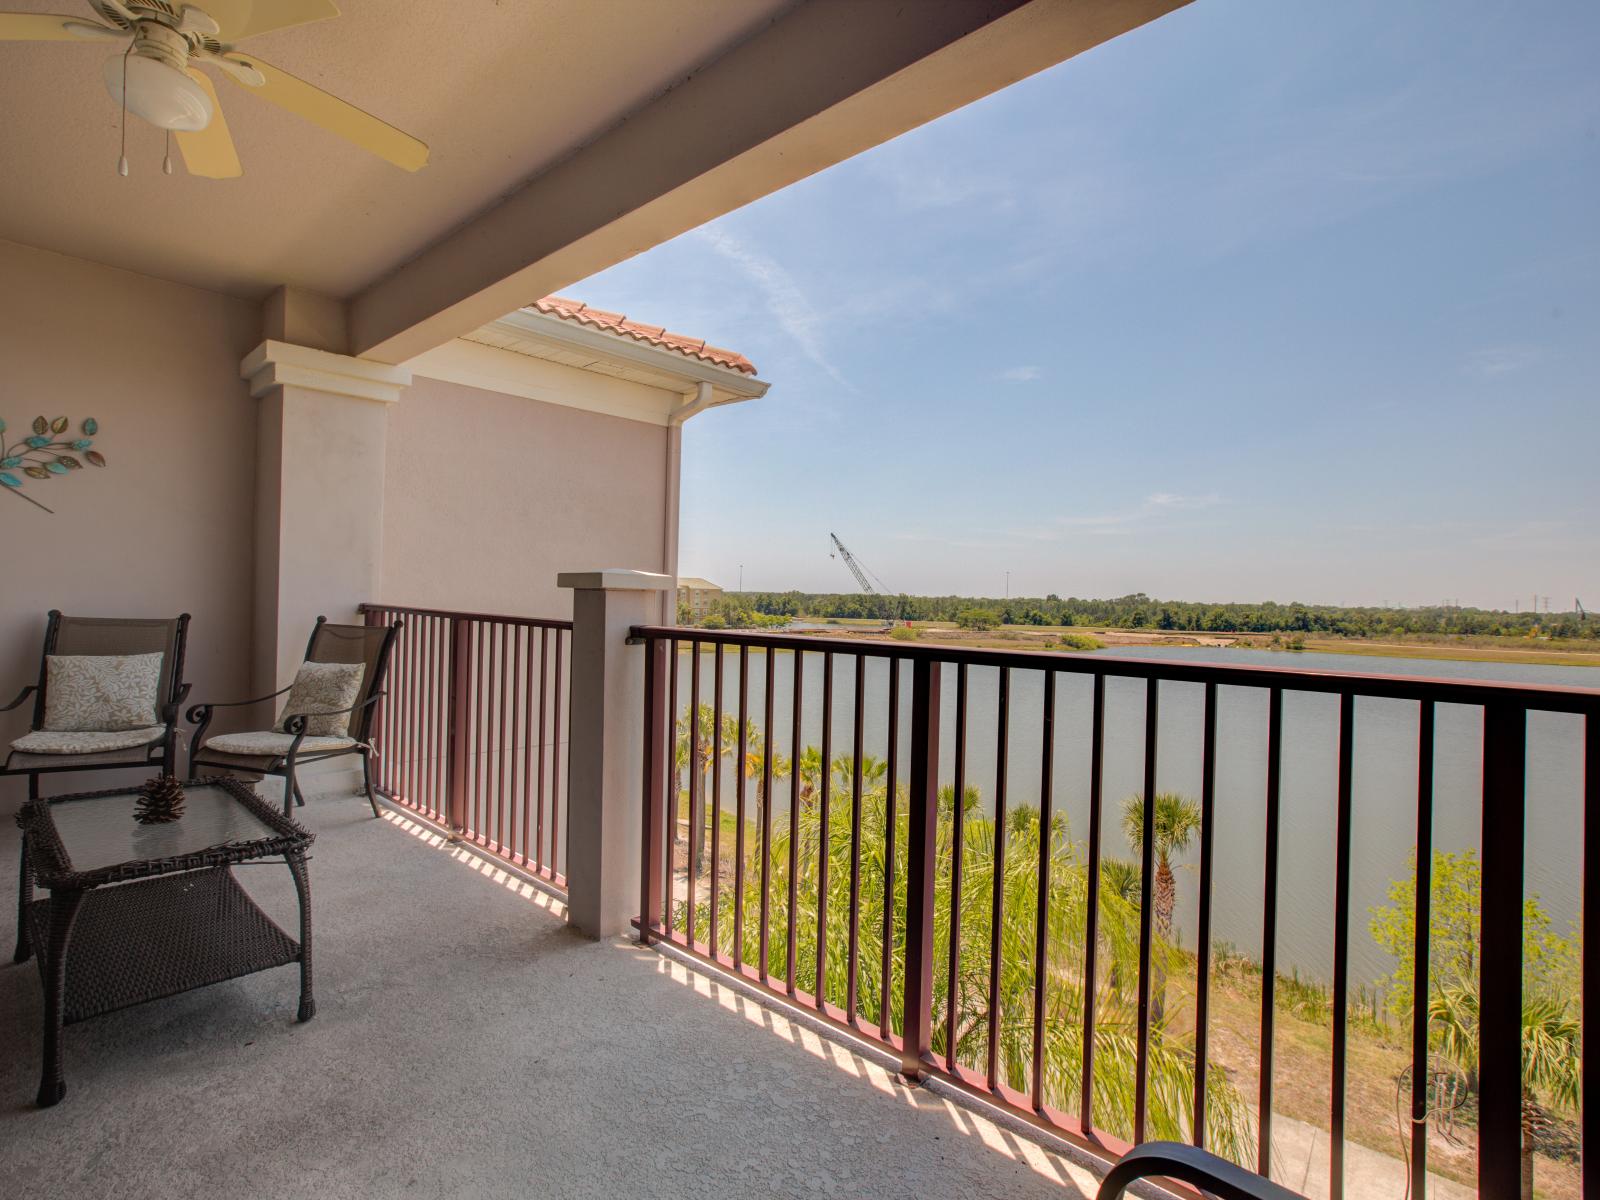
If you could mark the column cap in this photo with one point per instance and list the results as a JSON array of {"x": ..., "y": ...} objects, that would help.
[
  {"x": 275, "y": 364},
  {"x": 616, "y": 579}
]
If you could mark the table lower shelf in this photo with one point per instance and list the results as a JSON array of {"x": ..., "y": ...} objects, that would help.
[{"x": 157, "y": 937}]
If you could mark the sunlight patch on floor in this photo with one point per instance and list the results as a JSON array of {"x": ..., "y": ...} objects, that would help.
[
  {"x": 474, "y": 861},
  {"x": 838, "y": 1054}
]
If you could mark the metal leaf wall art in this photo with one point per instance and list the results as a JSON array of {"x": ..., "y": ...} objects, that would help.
[{"x": 45, "y": 453}]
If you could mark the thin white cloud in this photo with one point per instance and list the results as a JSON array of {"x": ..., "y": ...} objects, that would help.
[
  {"x": 1502, "y": 360},
  {"x": 785, "y": 299},
  {"x": 1171, "y": 500},
  {"x": 1020, "y": 374}
]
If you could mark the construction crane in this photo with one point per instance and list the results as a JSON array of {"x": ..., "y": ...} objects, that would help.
[
  {"x": 1583, "y": 614},
  {"x": 864, "y": 576}
]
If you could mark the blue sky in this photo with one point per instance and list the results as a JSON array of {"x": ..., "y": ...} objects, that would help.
[{"x": 1261, "y": 301}]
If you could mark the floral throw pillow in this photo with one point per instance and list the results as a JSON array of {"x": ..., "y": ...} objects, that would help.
[
  {"x": 323, "y": 688},
  {"x": 101, "y": 693}
]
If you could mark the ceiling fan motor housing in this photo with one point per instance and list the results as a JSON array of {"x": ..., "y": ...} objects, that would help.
[{"x": 158, "y": 88}]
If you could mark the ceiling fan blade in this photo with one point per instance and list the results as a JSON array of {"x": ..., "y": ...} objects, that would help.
[
  {"x": 39, "y": 27},
  {"x": 335, "y": 115},
  {"x": 239, "y": 19},
  {"x": 209, "y": 152}
]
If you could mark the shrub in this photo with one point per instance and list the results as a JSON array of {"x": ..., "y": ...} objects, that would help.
[
  {"x": 713, "y": 621},
  {"x": 1081, "y": 641},
  {"x": 977, "y": 618},
  {"x": 903, "y": 633}
]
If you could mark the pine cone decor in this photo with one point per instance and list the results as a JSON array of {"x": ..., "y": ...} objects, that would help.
[{"x": 160, "y": 801}]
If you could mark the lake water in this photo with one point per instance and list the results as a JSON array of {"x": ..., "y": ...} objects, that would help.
[{"x": 1383, "y": 829}]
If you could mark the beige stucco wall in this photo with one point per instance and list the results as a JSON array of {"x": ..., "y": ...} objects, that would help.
[
  {"x": 166, "y": 526},
  {"x": 489, "y": 495}
]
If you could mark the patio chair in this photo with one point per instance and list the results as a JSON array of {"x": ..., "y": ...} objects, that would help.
[
  {"x": 307, "y": 731},
  {"x": 1200, "y": 1169},
  {"x": 99, "y": 721}
]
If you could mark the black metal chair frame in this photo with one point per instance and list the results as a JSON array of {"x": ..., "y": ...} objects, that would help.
[
  {"x": 163, "y": 752},
  {"x": 285, "y": 765},
  {"x": 1194, "y": 1166}
]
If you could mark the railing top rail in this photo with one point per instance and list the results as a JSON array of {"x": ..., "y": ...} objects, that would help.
[
  {"x": 498, "y": 618},
  {"x": 1398, "y": 687}
]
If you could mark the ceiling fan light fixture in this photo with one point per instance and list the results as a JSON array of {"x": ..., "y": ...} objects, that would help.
[{"x": 165, "y": 97}]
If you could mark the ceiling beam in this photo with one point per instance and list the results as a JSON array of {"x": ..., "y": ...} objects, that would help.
[{"x": 825, "y": 81}]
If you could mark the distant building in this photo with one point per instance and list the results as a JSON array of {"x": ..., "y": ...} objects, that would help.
[{"x": 698, "y": 594}]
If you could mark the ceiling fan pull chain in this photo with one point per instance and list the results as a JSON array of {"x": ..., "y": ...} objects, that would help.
[
  {"x": 166, "y": 162},
  {"x": 122, "y": 157}
]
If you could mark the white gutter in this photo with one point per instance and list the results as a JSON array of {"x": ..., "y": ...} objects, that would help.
[{"x": 702, "y": 399}]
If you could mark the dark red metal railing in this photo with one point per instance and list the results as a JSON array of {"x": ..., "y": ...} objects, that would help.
[
  {"x": 911, "y": 853},
  {"x": 470, "y": 733}
]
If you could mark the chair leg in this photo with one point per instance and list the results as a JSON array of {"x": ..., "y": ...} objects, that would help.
[
  {"x": 24, "y": 950},
  {"x": 299, "y": 796},
  {"x": 366, "y": 778}
]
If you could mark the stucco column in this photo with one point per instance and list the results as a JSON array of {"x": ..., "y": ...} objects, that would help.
[
  {"x": 605, "y": 749},
  {"x": 321, "y": 428}
]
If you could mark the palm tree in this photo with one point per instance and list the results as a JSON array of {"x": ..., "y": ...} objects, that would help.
[
  {"x": 1177, "y": 820},
  {"x": 882, "y": 885},
  {"x": 1552, "y": 1049}
]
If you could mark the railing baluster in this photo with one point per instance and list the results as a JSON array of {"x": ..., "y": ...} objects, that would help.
[
  {"x": 525, "y": 723},
  {"x": 1421, "y": 938},
  {"x": 853, "y": 960},
  {"x": 671, "y": 832},
  {"x": 1091, "y": 936},
  {"x": 824, "y": 826},
  {"x": 1341, "y": 943},
  {"x": 738, "y": 804},
  {"x": 544, "y": 671},
  {"x": 1590, "y": 1083},
  {"x": 997, "y": 902},
  {"x": 696, "y": 790},
  {"x": 1269, "y": 927},
  {"x": 1147, "y": 860},
  {"x": 921, "y": 845},
  {"x": 769, "y": 663},
  {"x": 1041, "y": 939},
  {"x": 794, "y": 823},
  {"x": 716, "y": 801},
  {"x": 407, "y": 689},
  {"x": 480, "y": 775},
  {"x": 952, "y": 998},
  {"x": 557, "y": 792},
  {"x": 654, "y": 774},
  {"x": 1500, "y": 960},
  {"x": 1202, "y": 995},
  {"x": 886, "y": 978},
  {"x": 501, "y": 794},
  {"x": 459, "y": 732}
]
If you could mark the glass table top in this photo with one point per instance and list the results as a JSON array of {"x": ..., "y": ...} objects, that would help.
[{"x": 101, "y": 832}]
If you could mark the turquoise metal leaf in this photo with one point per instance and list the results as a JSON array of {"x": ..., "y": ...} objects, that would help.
[
  {"x": 12, "y": 461},
  {"x": 9, "y": 480},
  {"x": 55, "y": 468},
  {"x": 82, "y": 444},
  {"x": 91, "y": 426},
  {"x": 36, "y": 441}
]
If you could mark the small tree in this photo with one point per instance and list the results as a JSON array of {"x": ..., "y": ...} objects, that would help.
[{"x": 977, "y": 618}]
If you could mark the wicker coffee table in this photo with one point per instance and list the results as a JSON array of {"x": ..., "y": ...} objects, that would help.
[{"x": 137, "y": 912}]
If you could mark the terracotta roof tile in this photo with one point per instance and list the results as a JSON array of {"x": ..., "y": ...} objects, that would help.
[{"x": 655, "y": 335}]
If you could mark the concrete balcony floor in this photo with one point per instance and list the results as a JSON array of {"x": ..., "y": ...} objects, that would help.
[{"x": 467, "y": 1044}]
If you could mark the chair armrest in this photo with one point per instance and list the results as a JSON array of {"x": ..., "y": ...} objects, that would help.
[
  {"x": 26, "y": 692},
  {"x": 169, "y": 711},
  {"x": 296, "y": 722},
  {"x": 197, "y": 711},
  {"x": 1191, "y": 1165}
]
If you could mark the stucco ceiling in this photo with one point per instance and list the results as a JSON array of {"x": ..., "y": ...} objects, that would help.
[{"x": 498, "y": 90}]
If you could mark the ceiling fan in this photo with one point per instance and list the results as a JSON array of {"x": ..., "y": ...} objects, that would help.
[{"x": 156, "y": 75}]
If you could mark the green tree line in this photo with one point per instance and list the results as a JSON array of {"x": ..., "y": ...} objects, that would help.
[{"x": 1139, "y": 611}]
